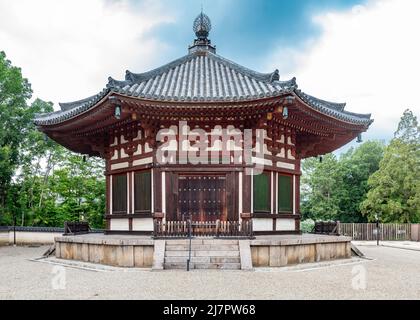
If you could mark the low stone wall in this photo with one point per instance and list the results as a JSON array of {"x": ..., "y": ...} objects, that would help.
[
  {"x": 110, "y": 251},
  {"x": 280, "y": 253}
]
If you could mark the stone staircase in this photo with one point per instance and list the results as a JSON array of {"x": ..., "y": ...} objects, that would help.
[{"x": 205, "y": 254}]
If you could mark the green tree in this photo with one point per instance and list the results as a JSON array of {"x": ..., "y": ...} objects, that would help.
[
  {"x": 41, "y": 183},
  {"x": 355, "y": 168},
  {"x": 15, "y": 116},
  {"x": 394, "y": 193},
  {"x": 334, "y": 188},
  {"x": 319, "y": 188}
]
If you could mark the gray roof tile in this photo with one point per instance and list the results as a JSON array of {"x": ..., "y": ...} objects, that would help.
[{"x": 201, "y": 77}]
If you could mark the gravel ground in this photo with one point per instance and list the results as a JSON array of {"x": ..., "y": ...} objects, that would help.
[{"x": 392, "y": 274}]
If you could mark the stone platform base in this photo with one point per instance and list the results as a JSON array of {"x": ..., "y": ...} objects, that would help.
[
  {"x": 144, "y": 252},
  {"x": 280, "y": 251},
  {"x": 118, "y": 251}
]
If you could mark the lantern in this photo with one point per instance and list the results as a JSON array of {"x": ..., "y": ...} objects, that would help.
[
  {"x": 285, "y": 113},
  {"x": 117, "y": 112}
]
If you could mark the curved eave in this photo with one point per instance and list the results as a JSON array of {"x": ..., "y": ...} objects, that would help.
[
  {"x": 320, "y": 106},
  {"x": 57, "y": 117},
  {"x": 334, "y": 110}
]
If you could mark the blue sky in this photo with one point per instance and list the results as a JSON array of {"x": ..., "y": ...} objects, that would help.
[
  {"x": 244, "y": 30},
  {"x": 362, "y": 52}
]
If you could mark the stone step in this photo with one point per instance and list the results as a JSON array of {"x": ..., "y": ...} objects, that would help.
[
  {"x": 177, "y": 266},
  {"x": 222, "y": 266},
  {"x": 220, "y": 253},
  {"x": 201, "y": 241},
  {"x": 203, "y": 266},
  {"x": 182, "y": 260},
  {"x": 204, "y": 253},
  {"x": 178, "y": 253},
  {"x": 201, "y": 247},
  {"x": 220, "y": 241},
  {"x": 225, "y": 260}
]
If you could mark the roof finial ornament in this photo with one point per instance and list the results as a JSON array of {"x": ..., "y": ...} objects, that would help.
[{"x": 202, "y": 28}]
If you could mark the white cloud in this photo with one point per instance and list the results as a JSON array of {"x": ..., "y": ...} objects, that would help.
[
  {"x": 68, "y": 48},
  {"x": 368, "y": 57}
]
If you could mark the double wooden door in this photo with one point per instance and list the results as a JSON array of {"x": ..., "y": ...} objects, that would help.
[{"x": 203, "y": 197}]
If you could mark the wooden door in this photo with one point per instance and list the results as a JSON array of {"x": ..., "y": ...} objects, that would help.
[{"x": 202, "y": 196}]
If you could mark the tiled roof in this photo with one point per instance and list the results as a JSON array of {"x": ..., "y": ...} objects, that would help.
[
  {"x": 198, "y": 77},
  {"x": 201, "y": 77}
]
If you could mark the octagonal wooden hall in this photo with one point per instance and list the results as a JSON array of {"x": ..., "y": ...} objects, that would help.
[{"x": 203, "y": 91}]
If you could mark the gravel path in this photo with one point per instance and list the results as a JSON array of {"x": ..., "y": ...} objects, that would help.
[{"x": 393, "y": 274}]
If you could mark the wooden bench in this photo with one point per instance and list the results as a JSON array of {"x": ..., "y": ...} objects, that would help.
[{"x": 73, "y": 228}]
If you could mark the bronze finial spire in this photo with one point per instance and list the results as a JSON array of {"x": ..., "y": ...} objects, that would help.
[{"x": 202, "y": 28}]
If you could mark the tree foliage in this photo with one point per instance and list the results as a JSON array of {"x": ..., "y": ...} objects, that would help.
[
  {"x": 394, "y": 194},
  {"x": 15, "y": 115},
  {"x": 332, "y": 189},
  {"x": 41, "y": 183}
]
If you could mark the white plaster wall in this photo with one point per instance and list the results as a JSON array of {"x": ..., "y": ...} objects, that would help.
[
  {"x": 264, "y": 148},
  {"x": 138, "y": 151},
  {"x": 282, "y": 153},
  {"x": 115, "y": 156},
  {"x": 138, "y": 137},
  {"x": 4, "y": 237},
  {"x": 260, "y": 224},
  {"x": 285, "y": 224},
  {"x": 143, "y": 224},
  {"x": 142, "y": 161},
  {"x": 115, "y": 142},
  {"x": 289, "y": 155},
  {"x": 285, "y": 165},
  {"x": 264, "y": 162},
  {"x": 117, "y": 166},
  {"x": 123, "y": 140},
  {"x": 123, "y": 154},
  {"x": 147, "y": 148},
  {"x": 24, "y": 237},
  {"x": 119, "y": 225}
]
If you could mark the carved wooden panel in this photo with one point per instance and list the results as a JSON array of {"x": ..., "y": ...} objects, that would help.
[{"x": 204, "y": 197}]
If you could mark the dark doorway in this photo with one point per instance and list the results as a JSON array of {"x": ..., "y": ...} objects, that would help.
[{"x": 202, "y": 196}]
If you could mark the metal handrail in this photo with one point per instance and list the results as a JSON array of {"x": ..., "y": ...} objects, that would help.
[{"x": 190, "y": 238}]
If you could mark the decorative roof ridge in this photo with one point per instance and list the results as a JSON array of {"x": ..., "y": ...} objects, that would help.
[
  {"x": 144, "y": 76},
  {"x": 77, "y": 109},
  {"x": 334, "y": 105},
  {"x": 264, "y": 77},
  {"x": 70, "y": 105},
  {"x": 359, "y": 115},
  {"x": 131, "y": 77},
  {"x": 287, "y": 83}
]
